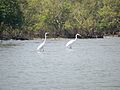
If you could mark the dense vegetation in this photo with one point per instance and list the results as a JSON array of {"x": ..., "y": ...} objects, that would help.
[{"x": 61, "y": 18}]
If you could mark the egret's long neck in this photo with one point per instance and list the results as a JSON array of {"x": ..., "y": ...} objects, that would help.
[
  {"x": 45, "y": 38},
  {"x": 75, "y": 37}
]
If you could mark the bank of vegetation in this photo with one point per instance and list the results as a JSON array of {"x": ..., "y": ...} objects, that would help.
[{"x": 27, "y": 19}]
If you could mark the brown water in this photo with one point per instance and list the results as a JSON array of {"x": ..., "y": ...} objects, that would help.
[{"x": 91, "y": 64}]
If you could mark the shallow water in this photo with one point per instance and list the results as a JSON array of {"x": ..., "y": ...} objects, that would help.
[{"x": 91, "y": 64}]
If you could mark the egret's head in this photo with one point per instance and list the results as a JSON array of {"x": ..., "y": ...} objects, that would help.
[
  {"x": 78, "y": 34},
  {"x": 46, "y": 33}
]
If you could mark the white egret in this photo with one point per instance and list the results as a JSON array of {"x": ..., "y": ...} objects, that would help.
[
  {"x": 41, "y": 46},
  {"x": 72, "y": 41}
]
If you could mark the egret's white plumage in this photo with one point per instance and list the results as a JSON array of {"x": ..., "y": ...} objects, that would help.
[
  {"x": 43, "y": 43},
  {"x": 72, "y": 41}
]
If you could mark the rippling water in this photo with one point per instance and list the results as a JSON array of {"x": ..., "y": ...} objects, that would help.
[{"x": 91, "y": 64}]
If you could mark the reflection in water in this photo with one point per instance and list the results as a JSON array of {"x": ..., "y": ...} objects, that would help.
[{"x": 91, "y": 64}]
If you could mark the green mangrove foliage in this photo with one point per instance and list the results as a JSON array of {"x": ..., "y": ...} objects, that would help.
[{"x": 62, "y": 18}]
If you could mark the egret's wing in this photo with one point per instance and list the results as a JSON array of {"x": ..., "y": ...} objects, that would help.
[
  {"x": 70, "y": 42},
  {"x": 40, "y": 46}
]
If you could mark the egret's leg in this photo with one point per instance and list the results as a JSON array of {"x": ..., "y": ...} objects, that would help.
[
  {"x": 43, "y": 49},
  {"x": 70, "y": 47}
]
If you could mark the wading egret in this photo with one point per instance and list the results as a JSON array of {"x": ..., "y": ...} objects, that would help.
[
  {"x": 72, "y": 41},
  {"x": 41, "y": 46}
]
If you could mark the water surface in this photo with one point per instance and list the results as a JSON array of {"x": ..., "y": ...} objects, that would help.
[{"x": 91, "y": 64}]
